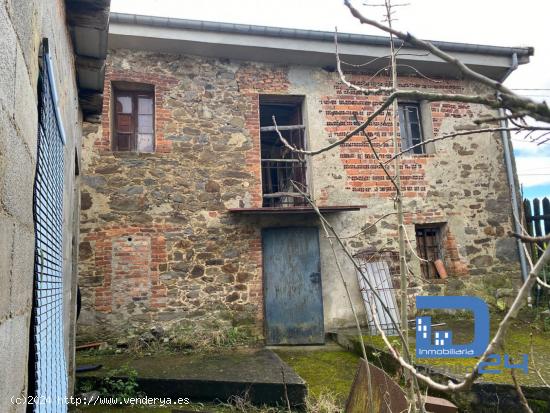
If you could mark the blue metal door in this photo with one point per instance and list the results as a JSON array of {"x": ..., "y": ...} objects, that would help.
[
  {"x": 292, "y": 286},
  {"x": 48, "y": 367}
]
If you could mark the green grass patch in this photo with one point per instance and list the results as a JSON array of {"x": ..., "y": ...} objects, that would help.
[{"x": 325, "y": 371}]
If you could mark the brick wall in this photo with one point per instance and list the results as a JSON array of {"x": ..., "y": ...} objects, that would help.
[
  {"x": 363, "y": 173},
  {"x": 254, "y": 80}
]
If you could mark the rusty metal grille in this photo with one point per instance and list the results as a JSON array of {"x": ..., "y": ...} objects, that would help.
[
  {"x": 379, "y": 268},
  {"x": 277, "y": 176},
  {"x": 48, "y": 363},
  {"x": 281, "y": 167}
]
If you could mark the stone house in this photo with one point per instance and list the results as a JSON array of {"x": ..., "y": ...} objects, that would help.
[
  {"x": 51, "y": 77},
  {"x": 188, "y": 216}
]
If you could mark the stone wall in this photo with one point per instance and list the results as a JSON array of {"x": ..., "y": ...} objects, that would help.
[
  {"x": 158, "y": 245},
  {"x": 23, "y": 24}
]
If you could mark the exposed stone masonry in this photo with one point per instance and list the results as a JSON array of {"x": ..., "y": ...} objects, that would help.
[{"x": 158, "y": 245}]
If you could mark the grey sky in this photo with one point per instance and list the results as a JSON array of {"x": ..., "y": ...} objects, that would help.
[{"x": 495, "y": 22}]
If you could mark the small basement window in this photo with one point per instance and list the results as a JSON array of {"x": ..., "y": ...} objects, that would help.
[
  {"x": 429, "y": 247},
  {"x": 133, "y": 128},
  {"x": 410, "y": 126},
  {"x": 280, "y": 165}
]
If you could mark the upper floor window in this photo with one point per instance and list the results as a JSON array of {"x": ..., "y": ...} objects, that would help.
[
  {"x": 410, "y": 125},
  {"x": 281, "y": 167},
  {"x": 133, "y": 120}
]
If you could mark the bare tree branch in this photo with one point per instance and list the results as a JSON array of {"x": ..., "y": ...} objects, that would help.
[
  {"x": 539, "y": 111},
  {"x": 509, "y": 117},
  {"x": 411, "y": 247},
  {"x": 367, "y": 137},
  {"x": 369, "y": 227},
  {"x": 419, "y": 73},
  {"x": 495, "y": 342},
  {"x": 349, "y": 255},
  {"x": 487, "y": 100},
  {"x": 394, "y": 352},
  {"x": 523, "y": 401},
  {"x": 448, "y": 136},
  {"x": 542, "y": 283},
  {"x": 528, "y": 238},
  {"x": 504, "y": 98},
  {"x": 366, "y": 91},
  {"x": 326, "y": 225}
]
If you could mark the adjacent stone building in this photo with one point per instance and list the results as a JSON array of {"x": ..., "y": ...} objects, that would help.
[
  {"x": 189, "y": 218},
  {"x": 70, "y": 36}
]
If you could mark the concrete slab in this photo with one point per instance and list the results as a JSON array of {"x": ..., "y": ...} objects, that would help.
[
  {"x": 328, "y": 346},
  {"x": 208, "y": 377}
]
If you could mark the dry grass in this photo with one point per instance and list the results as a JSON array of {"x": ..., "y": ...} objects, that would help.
[{"x": 323, "y": 403}]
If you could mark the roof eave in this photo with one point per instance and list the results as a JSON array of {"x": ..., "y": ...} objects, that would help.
[
  {"x": 294, "y": 46},
  {"x": 88, "y": 22}
]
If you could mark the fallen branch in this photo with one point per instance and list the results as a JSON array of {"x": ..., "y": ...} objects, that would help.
[{"x": 285, "y": 390}]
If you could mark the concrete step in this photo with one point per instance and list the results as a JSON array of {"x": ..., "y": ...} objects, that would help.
[{"x": 258, "y": 373}]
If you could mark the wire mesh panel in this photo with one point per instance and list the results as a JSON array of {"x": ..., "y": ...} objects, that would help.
[
  {"x": 378, "y": 269},
  {"x": 50, "y": 372}
]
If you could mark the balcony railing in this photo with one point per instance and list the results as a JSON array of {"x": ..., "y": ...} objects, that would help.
[
  {"x": 278, "y": 176},
  {"x": 281, "y": 167}
]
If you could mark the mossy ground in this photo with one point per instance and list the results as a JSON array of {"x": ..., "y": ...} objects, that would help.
[
  {"x": 330, "y": 372},
  {"x": 324, "y": 371},
  {"x": 329, "y": 375}
]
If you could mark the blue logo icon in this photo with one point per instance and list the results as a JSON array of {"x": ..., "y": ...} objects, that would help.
[{"x": 441, "y": 344}]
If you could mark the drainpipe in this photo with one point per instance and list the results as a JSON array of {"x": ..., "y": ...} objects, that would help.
[{"x": 510, "y": 173}]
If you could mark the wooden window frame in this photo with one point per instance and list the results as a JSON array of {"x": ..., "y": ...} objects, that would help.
[
  {"x": 405, "y": 128},
  {"x": 134, "y": 94}
]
